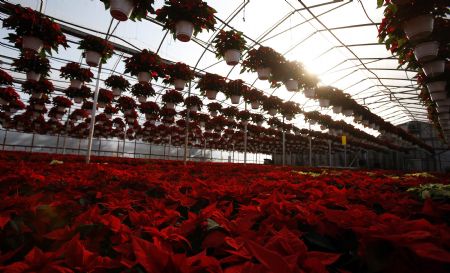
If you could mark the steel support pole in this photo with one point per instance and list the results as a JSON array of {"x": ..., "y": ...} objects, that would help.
[
  {"x": 330, "y": 162},
  {"x": 170, "y": 145},
  {"x": 283, "y": 160},
  {"x": 233, "y": 152},
  {"x": 245, "y": 144},
  {"x": 345, "y": 155},
  {"x": 134, "y": 151},
  {"x": 204, "y": 151},
  {"x": 118, "y": 147},
  {"x": 4, "y": 139},
  {"x": 99, "y": 145},
  {"x": 32, "y": 143},
  {"x": 57, "y": 144},
  {"x": 93, "y": 112},
  {"x": 310, "y": 150}
]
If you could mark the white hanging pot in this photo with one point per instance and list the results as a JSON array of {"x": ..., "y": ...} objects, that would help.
[
  {"x": 438, "y": 96},
  {"x": 289, "y": 117},
  {"x": 170, "y": 105},
  {"x": 310, "y": 93},
  {"x": 143, "y": 77},
  {"x": 235, "y": 99},
  {"x": 117, "y": 91},
  {"x": 445, "y": 116},
  {"x": 434, "y": 68},
  {"x": 438, "y": 86},
  {"x": 213, "y": 113},
  {"x": 348, "y": 112},
  {"x": 179, "y": 84},
  {"x": 93, "y": 58},
  {"x": 121, "y": 9},
  {"x": 77, "y": 99},
  {"x": 260, "y": 123},
  {"x": 272, "y": 111},
  {"x": 337, "y": 109},
  {"x": 230, "y": 119},
  {"x": 76, "y": 84},
  {"x": 263, "y": 73},
  {"x": 31, "y": 42},
  {"x": 3, "y": 102},
  {"x": 61, "y": 109},
  {"x": 255, "y": 105},
  {"x": 142, "y": 99},
  {"x": 184, "y": 30},
  {"x": 36, "y": 95},
  {"x": 127, "y": 112},
  {"x": 59, "y": 116},
  {"x": 100, "y": 122},
  {"x": 443, "y": 109},
  {"x": 130, "y": 120},
  {"x": 419, "y": 27},
  {"x": 291, "y": 85},
  {"x": 211, "y": 94},
  {"x": 109, "y": 116},
  {"x": 245, "y": 122},
  {"x": 101, "y": 104},
  {"x": 427, "y": 51},
  {"x": 33, "y": 76},
  {"x": 324, "y": 102},
  {"x": 193, "y": 109},
  {"x": 39, "y": 107},
  {"x": 232, "y": 56}
]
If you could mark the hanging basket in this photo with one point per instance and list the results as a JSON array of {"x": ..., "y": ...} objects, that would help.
[
  {"x": 117, "y": 91},
  {"x": 179, "y": 84},
  {"x": 419, "y": 27},
  {"x": 255, "y": 105},
  {"x": 348, "y": 112},
  {"x": 76, "y": 84},
  {"x": 34, "y": 43},
  {"x": 193, "y": 109},
  {"x": 39, "y": 107},
  {"x": 213, "y": 113},
  {"x": 291, "y": 85},
  {"x": 289, "y": 117},
  {"x": 36, "y": 95},
  {"x": 438, "y": 96},
  {"x": 272, "y": 111},
  {"x": 61, "y": 109},
  {"x": 170, "y": 105},
  {"x": 77, "y": 99},
  {"x": 309, "y": 93},
  {"x": 263, "y": 73},
  {"x": 438, "y": 86},
  {"x": 434, "y": 68},
  {"x": 33, "y": 76},
  {"x": 121, "y": 9},
  {"x": 427, "y": 51},
  {"x": 3, "y": 102},
  {"x": 211, "y": 94},
  {"x": 93, "y": 58},
  {"x": 143, "y": 77},
  {"x": 184, "y": 30},
  {"x": 260, "y": 123},
  {"x": 337, "y": 109},
  {"x": 142, "y": 99},
  {"x": 443, "y": 109},
  {"x": 232, "y": 56},
  {"x": 235, "y": 99},
  {"x": 324, "y": 102},
  {"x": 101, "y": 104}
]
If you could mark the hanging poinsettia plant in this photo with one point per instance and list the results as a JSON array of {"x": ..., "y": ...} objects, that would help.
[
  {"x": 96, "y": 50},
  {"x": 118, "y": 84},
  {"x": 324, "y": 94},
  {"x": 234, "y": 90},
  {"x": 272, "y": 104},
  {"x": 150, "y": 109},
  {"x": 78, "y": 95},
  {"x": 7, "y": 95},
  {"x": 123, "y": 10},
  {"x": 105, "y": 97},
  {"x": 142, "y": 91},
  {"x": 258, "y": 119},
  {"x": 126, "y": 104},
  {"x": 38, "y": 88},
  {"x": 214, "y": 108},
  {"x": 145, "y": 65},
  {"x": 62, "y": 103},
  {"x": 179, "y": 74},
  {"x": 210, "y": 85},
  {"x": 110, "y": 110},
  {"x": 33, "y": 30},
  {"x": 291, "y": 74},
  {"x": 76, "y": 74},
  {"x": 33, "y": 64},
  {"x": 229, "y": 45},
  {"x": 193, "y": 103},
  {"x": 244, "y": 116},
  {"x": 186, "y": 17},
  {"x": 254, "y": 97},
  {"x": 230, "y": 112},
  {"x": 262, "y": 61},
  {"x": 172, "y": 98},
  {"x": 5, "y": 78},
  {"x": 289, "y": 109}
]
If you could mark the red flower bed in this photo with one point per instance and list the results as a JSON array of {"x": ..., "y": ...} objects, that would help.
[{"x": 123, "y": 215}]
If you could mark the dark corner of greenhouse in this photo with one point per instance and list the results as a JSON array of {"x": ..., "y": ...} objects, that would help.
[{"x": 237, "y": 136}]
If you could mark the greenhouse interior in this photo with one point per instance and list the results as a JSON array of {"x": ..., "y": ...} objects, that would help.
[{"x": 238, "y": 136}]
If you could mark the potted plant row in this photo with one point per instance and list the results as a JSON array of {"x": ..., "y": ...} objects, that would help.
[
  {"x": 76, "y": 74},
  {"x": 234, "y": 90},
  {"x": 96, "y": 50},
  {"x": 33, "y": 64},
  {"x": 229, "y": 45}
]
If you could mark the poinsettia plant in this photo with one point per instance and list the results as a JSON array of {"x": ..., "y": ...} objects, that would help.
[
  {"x": 110, "y": 110},
  {"x": 29, "y": 23},
  {"x": 30, "y": 61},
  {"x": 244, "y": 115},
  {"x": 105, "y": 96},
  {"x": 227, "y": 40},
  {"x": 196, "y": 12},
  {"x": 74, "y": 71},
  {"x": 235, "y": 88},
  {"x": 289, "y": 109},
  {"x": 150, "y": 108},
  {"x": 214, "y": 106},
  {"x": 193, "y": 101},
  {"x": 117, "y": 81},
  {"x": 61, "y": 101},
  {"x": 5, "y": 78},
  {"x": 284, "y": 71},
  {"x": 125, "y": 103},
  {"x": 42, "y": 86},
  {"x": 145, "y": 61},
  {"x": 178, "y": 71},
  {"x": 140, "y": 9},
  {"x": 257, "y": 118},
  {"x": 143, "y": 90},
  {"x": 253, "y": 95},
  {"x": 97, "y": 44},
  {"x": 8, "y": 94},
  {"x": 84, "y": 92},
  {"x": 272, "y": 102},
  {"x": 172, "y": 96},
  {"x": 263, "y": 57},
  {"x": 211, "y": 82},
  {"x": 230, "y": 111}
]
